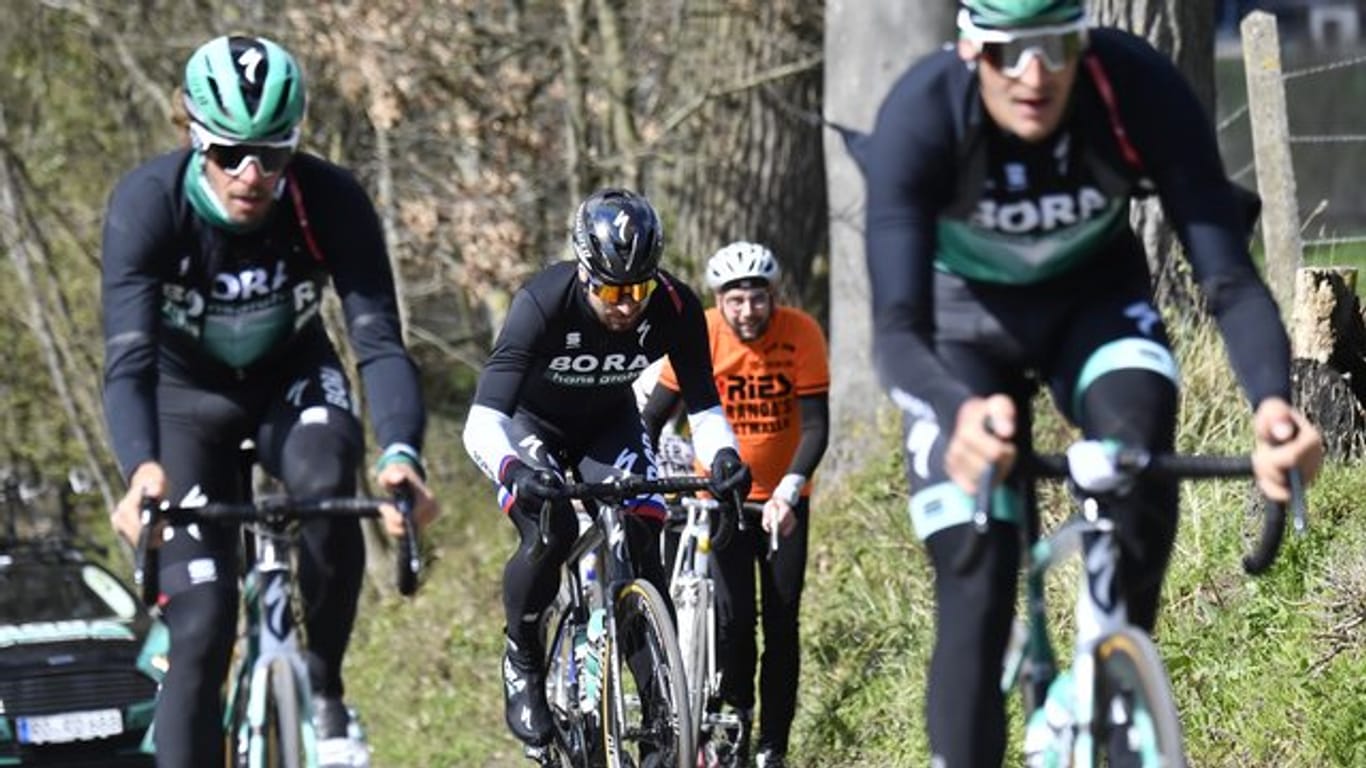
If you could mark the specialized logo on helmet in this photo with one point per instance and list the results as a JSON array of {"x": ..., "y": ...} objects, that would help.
[
  {"x": 250, "y": 59},
  {"x": 626, "y": 236}
]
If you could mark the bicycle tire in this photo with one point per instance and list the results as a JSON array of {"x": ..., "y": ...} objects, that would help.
[
  {"x": 282, "y": 732},
  {"x": 577, "y": 742},
  {"x": 236, "y": 727},
  {"x": 659, "y": 700},
  {"x": 1130, "y": 674},
  {"x": 691, "y": 598}
]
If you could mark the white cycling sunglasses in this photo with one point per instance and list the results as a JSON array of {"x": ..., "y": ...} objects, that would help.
[
  {"x": 1055, "y": 50},
  {"x": 234, "y": 156}
]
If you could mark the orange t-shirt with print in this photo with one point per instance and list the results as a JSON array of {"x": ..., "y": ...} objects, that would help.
[{"x": 759, "y": 383}]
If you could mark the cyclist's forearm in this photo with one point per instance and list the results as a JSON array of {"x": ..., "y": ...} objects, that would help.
[
  {"x": 486, "y": 440},
  {"x": 710, "y": 433},
  {"x": 1258, "y": 347},
  {"x": 815, "y": 412},
  {"x": 394, "y": 394},
  {"x": 130, "y": 410},
  {"x": 659, "y": 408}
]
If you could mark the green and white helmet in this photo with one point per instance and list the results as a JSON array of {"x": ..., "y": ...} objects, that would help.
[
  {"x": 992, "y": 18},
  {"x": 244, "y": 89}
]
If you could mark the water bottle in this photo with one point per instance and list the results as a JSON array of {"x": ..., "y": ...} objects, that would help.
[
  {"x": 588, "y": 656},
  {"x": 1049, "y": 732},
  {"x": 580, "y": 664}
]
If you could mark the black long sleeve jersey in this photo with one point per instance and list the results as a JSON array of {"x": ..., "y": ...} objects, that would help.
[
  {"x": 217, "y": 309},
  {"x": 557, "y": 362},
  {"x": 949, "y": 191}
]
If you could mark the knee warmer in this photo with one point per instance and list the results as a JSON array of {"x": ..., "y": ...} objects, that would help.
[{"x": 319, "y": 460}]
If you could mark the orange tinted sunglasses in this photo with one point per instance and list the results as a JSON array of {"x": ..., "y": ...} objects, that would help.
[{"x": 614, "y": 294}]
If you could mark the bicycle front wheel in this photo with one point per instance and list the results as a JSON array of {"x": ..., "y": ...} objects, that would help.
[
  {"x": 281, "y": 742},
  {"x": 646, "y": 686},
  {"x": 691, "y": 599},
  {"x": 1134, "y": 699}
]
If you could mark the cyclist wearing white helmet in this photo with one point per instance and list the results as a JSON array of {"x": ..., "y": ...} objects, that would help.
[
  {"x": 215, "y": 259},
  {"x": 769, "y": 362},
  {"x": 1000, "y": 256}
]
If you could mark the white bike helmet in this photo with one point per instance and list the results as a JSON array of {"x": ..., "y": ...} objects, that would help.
[{"x": 742, "y": 260}]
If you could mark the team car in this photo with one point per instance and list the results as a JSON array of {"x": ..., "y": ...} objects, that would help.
[{"x": 80, "y": 657}]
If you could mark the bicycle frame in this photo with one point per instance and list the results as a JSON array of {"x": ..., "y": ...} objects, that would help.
[{"x": 1033, "y": 661}]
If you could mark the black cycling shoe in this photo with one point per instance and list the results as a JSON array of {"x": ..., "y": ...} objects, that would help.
[{"x": 525, "y": 707}]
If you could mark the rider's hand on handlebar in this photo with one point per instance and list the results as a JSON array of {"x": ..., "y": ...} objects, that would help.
[
  {"x": 730, "y": 476},
  {"x": 532, "y": 485},
  {"x": 425, "y": 508},
  {"x": 780, "y": 513},
  {"x": 148, "y": 480},
  {"x": 974, "y": 445},
  {"x": 1285, "y": 439}
]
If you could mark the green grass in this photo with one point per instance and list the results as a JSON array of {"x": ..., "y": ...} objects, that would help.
[{"x": 1268, "y": 671}]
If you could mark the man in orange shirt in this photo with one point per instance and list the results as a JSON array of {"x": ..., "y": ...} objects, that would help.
[{"x": 773, "y": 377}]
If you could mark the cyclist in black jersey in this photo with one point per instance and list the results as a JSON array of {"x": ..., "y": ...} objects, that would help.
[
  {"x": 214, "y": 261},
  {"x": 1000, "y": 258},
  {"x": 556, "y": 392}
]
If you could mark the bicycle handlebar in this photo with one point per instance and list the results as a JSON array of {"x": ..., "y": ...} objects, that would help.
[
  {"x": 751, "y": 511},
  {"x": 1135, "y": 462},
  {"x": 272, "y": 509}
]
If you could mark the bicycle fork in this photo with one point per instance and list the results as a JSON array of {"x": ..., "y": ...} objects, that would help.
[{"x": 1067, "y": 725}]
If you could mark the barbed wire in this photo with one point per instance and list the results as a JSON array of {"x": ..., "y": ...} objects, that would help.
[
  {"x": 1340, "y": 138},
  {"x": 1324, "y": 68},
  {"x": 1245, "y": 170},
  {"x": 1232, "y": 118},
  {"x": 1329, "y": 241}
]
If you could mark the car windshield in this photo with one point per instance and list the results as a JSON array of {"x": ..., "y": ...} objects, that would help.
[{"x": 60, "y": 591}]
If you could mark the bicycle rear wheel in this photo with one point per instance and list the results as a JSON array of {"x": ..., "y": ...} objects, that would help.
[
  {"x": 1141, "y": 727},
  {"x": 646, "y": 686}
]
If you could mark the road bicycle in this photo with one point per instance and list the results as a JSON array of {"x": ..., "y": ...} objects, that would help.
[
  {"x": 615, "y": 679},
  {"x": 719, "y": 734},
  {"x": 1115, "y": 699},
  {"x": 268, "y": 717}
]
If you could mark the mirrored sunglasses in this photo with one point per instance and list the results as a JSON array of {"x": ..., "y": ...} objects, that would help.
[
  {"x": 233, "y": 157},
  {"x": 1055, "y": 50},
  {"x": 614, "y": 294}
]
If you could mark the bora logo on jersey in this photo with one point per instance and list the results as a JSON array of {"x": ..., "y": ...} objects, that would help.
[
  {"x": 595, "y": 371},
  {"x": 1047, "y": 213}
]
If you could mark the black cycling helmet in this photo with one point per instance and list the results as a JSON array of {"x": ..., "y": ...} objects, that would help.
[{"x": 617, "y": 237}]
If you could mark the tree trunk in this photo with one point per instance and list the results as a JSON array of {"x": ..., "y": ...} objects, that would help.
[
  {"x": 750, "y": 113},
  {"x": 1184, "y": 30},
  {"x": 868, "y": 45}
]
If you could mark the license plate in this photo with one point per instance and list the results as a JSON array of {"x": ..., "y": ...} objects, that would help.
[{"x": 70, "y": 726}]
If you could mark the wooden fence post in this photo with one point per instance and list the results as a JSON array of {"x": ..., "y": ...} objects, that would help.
[{"x": 1271, "y": 149}]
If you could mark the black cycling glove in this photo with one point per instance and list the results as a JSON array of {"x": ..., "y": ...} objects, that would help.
[
  {"x": 730, "y": 476},
  {"x": 531, "y": 485}
]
